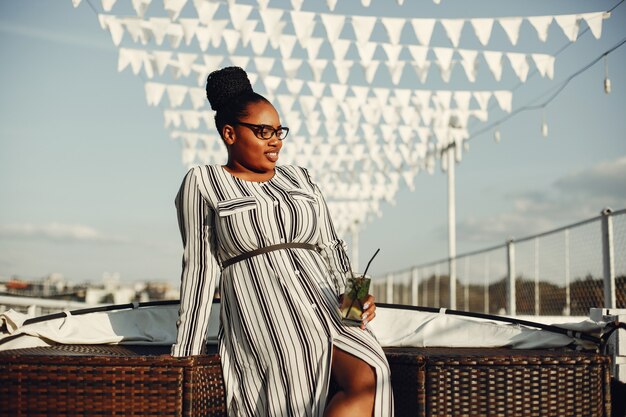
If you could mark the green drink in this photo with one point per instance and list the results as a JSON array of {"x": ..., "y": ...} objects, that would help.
[{"x": 357, "y": 290}]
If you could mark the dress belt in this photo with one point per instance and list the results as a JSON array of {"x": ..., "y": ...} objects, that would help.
[{"x": 266, "y": 249}]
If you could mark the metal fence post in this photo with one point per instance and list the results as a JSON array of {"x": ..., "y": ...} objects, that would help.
[
  {"x": 537, "y": 295},
  {"x": 389, "y": 294},
  {"x": 415, "y": 286},
  {"x": 512, "y": 308},
  {"x": 567, "y": 311},
  {"x": 607, "y": 258}
]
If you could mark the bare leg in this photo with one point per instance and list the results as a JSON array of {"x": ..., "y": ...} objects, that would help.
[{"x": 357, "y": 383}]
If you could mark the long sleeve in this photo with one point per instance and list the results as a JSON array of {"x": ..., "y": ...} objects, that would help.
[
  {"x": 333, "y": 249},
  {"x": 199, "y": 268}
]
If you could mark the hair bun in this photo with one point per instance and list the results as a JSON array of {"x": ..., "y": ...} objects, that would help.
[{"x": 226, "y": 83}]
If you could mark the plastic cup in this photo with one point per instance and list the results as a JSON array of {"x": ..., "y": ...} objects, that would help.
[{"x": 357, "y": 290}]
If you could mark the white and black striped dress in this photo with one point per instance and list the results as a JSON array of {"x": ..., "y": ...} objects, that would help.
[{"x": 279, "y": 313}]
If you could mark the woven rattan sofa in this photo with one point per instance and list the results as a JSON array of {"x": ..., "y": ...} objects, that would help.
[{"x": 142, "y": 381}]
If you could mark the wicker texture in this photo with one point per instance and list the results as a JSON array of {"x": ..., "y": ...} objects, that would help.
[
  {"x": 109, "y": 380},
  {"x": 438, "y": 382},
  {"x": 433, "y": 382}
]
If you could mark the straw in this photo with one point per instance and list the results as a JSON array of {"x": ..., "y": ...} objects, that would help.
[{"x": 368, "y": 264}]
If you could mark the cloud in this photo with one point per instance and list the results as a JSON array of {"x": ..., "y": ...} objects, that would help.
[
  {"x": 58, "y": 232},
  {"x": 569, "y": 199},
  {"x": 49, "y": 36}
]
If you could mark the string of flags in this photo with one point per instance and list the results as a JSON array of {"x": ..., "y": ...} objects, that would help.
[{"x": 350, "y": 88}]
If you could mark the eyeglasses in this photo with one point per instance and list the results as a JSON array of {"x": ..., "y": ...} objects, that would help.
[{"x": 266, "y": 132}]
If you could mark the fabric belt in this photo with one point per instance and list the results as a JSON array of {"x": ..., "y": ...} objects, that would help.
[{"x": 266, "y": 249}]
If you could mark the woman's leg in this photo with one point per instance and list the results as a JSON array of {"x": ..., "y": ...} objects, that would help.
[{"x": 357, "y": 386}]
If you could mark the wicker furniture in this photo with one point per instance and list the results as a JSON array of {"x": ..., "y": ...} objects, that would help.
[{"x": 434, "y": 382}]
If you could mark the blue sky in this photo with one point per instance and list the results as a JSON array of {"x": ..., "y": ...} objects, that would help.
[{"x": 88, "y": 173}]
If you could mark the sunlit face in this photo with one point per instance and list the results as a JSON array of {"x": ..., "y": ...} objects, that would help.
[{"x": 248, "y": 154}]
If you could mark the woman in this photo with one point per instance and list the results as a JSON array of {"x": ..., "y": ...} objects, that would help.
[{"x": 280, "y": 336}]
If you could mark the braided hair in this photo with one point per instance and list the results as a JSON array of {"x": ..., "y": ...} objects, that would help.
[{"x": 229, "y": 92}]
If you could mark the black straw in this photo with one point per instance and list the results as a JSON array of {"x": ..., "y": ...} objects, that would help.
[{"x": 368, "y": 264}]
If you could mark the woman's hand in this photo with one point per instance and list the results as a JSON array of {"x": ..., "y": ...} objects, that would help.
[{"x": 369, "y": 311}]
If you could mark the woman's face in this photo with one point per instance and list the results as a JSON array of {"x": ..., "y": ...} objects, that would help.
[{"x": 247, "y": 153}]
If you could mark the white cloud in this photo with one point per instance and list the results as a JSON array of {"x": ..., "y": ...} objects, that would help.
[
  {"x": 569, "y": 199},
  {"x": 58, "y": 232},
  {"x": 49, "y": 36}
]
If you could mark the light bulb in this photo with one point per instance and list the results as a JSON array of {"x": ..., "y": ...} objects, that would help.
[
  {"x": 496, "y": 135},
  {"x": 607, "y": 85},
  {"x": 544, "y": 129}
]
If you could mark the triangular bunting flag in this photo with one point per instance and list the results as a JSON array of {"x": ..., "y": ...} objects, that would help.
[
  {"x": 505, "y": 99},
  {"x": 511, "y": 27},
  {"x": 519, "y": 62},
  {"x": 423, "y": 29},
  {"x": 541, "y": 25},
  {"x": 394, "y": 27},
  {"x": 154, "y": 93},
  {"x": 494, "y": 62},
  {"x": 482, "y": 29},
  {"x": 544, "y": 64},
  {"x": 569, "y": 24},
  {"x": 333, "y": 25},
  {"x": 363, "y": 27},
  {"x": 453, "y": 28}
]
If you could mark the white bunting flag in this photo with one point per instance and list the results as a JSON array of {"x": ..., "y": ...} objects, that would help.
[
  {"x": 114, "y": 26},
  {"x": 494, "y": 62},
  {"x": 422, "y": 99},
  {"x": 419, "y": 54},
  {"x": 197, "y": 97},
  {"x": 482, "y": 98},
  {"x": 190, "y": 27},
  {"x": 342, "y": 70},
  {"x": 382, "y": 94},
  {"x": 291, "y": 66},
  {"x": 171, "y": 117},
  {"x": 569, "y": 24},
  {"x": 544, "y": 64},
  {"x": 162, "y": 59},
  {"x": 453, "y": 28},
  {"x": 176, "y": 94},
  {"x": 259, "y": 43},
  {"x": 482, "y": 29},
  {"x": 329, "y": 108},
  {"x": 287, "y": 43},
  {"x": 331, "y": 4},
  {"x": 468, "y": 61},
  {"x": 140, "y": 6},
  {"x": 363, "y": 27},
  {"x": 107, "y": 5},
  {"x": 340, "y": 48},
  {"x": 216, "y": 29},
  {"x": 402, "y": 97},
  {"x": 369, "y": 70},
  {"x": 393, "y": 52},
  {"x": 154, "y": 93},
  {"x": 263, "y": 65},
  {"x": 594, "y": 21},
  {"x": 339, "y": 91},
  {"x": 541, "y": 25},
  {"x": 505, "y": 100},
  {"x": 243, "y": 62},
  {"x": 331, "y": 127},
  {"x": 317, "y": 88},
  {"x": 307, "y": 104},
  {"x": 444, "y": 61},
  {"x": 333, "y": 25},
  {"x": 294, "y": 86},
  {"x": 313, "y": 47},
  {"x": 393, "y": 26},
  {"x": 395, "y": 71},
  {"x": 423, "y": 29},
  {"x": 286, "y": 102},
  {"x": 247, "y": 31},
  {"x": 296, "y": 4},
  {"x": 442, "y": 99},
  {"x": 409, "y": 116},
  {"x": 462, "y": 99},
  {"x": 175, "y": 35},
  {"x": 185, "y": 61},
  {"x": 366, "y": 51},
  {"x": 271, "y": 84},
  {"x": 519, "y": 62},
  {"x": 272, "y": 21},
  {"x": 511, "y": 27},
  {"x": 239, "y": 13},
  {"x": 158, "y": 26},
  {"x": 317, "y": 67},
  {"x": 205, "y": 10},
  {"x": 173, "y": 7},
  {"x": 231, "y": 38},
  {"x": 304, "y": 24}
]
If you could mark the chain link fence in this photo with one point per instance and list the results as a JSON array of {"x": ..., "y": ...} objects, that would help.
[{"x": 561, "y": 272}]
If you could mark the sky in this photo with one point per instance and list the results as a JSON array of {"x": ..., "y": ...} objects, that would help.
[{"x": 88, "y": 173}]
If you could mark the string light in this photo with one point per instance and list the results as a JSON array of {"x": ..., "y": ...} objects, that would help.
[
  {"x": 496, "y": 134},
  {"x": 607, "y": 80}
]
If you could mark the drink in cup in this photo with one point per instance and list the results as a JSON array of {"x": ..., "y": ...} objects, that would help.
[{"x": 357, "y": 290}]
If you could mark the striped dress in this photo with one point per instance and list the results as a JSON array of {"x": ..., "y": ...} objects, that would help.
[{"x": 279, "y": 313}]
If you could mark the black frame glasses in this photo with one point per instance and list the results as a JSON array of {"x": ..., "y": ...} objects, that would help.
[{"x": 266, "y": 132}]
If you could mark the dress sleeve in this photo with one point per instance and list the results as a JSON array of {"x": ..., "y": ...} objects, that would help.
[
  {"x": 199, "y": 268},
  {"x": 333, "y": 249}
]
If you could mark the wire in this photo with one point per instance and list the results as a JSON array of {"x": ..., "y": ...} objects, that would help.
[{"x": 545, "y": 103}]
